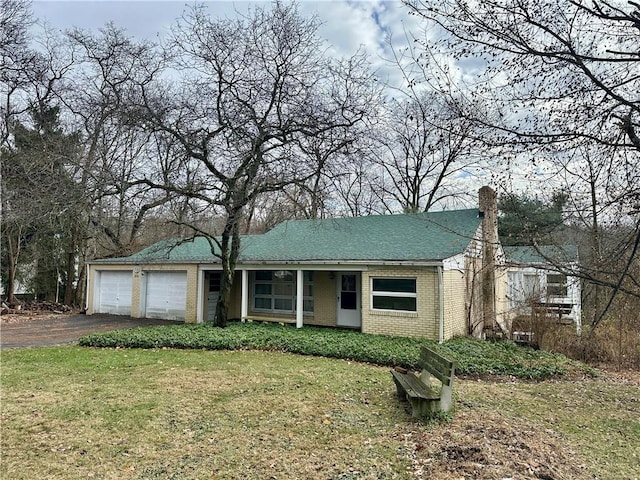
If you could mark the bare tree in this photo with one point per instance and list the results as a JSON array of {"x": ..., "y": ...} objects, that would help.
[
  {"x": 113, "y": 153},
  {"x": 562, "y": 81},
  {"x": 425, "y": 147},
  {"x": 116, "y": 152},
  {"x": 86, "y": 78},
  {"x": 18, "y": 62},
  {"x": 251, "y": 92},
  {"x": 355, "y": 188}
]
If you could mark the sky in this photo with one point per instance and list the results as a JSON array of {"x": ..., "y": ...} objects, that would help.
[{"x": 347, "y": 25}]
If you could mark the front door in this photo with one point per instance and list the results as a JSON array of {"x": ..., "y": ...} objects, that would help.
[
  {"x": 349, "y": 299},
  {"x": 213, "y": 294}
]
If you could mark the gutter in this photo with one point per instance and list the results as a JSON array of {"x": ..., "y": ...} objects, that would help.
[{"x": 266, "y": 263}]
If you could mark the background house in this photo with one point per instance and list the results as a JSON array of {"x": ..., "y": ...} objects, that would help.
[{"x": 538, "y": 289}]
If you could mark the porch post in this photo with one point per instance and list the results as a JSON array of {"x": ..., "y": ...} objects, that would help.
[
  {"x": 200, "y": 297},
  {"x": 299, "y": 298},
  {"x": 245, "y": 295}
]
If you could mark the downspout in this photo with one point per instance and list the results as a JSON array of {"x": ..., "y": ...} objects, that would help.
[
  {"x": 440, "y": 305},
  {"x": 299, "y": 298},
  {"x": 244, "y": 308}
]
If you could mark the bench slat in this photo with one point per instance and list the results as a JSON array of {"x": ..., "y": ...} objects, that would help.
[
  {"x": 436, "y": 365},
  {"x": 414, "y": 387}
]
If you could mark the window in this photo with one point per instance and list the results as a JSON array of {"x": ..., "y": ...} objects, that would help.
[
  {"x": 531, "y": 286},
  {"x": 215, "y": 279},
  {"x": 275, "y": 291},
  {"x": 556, "y": 285},
  {"x": 394, "y": 294}
]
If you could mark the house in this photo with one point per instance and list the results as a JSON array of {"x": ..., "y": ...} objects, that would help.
[
  {"x": 538, "y": 287},
  {"x": 421, "y": 275}
]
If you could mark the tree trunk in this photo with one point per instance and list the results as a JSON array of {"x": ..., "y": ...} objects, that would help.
[
  {"x": 80, "y": 294},
  {"x": 13, "y": 251},
  {"x": 71, "y": 271},
  {"x": 230, "y": 246}
]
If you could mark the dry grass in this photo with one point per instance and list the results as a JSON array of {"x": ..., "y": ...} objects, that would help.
[
  {"x": 140, "y": 414},
  {"x": 185, "y": 414},
  {"x": 614, "y": 343}
]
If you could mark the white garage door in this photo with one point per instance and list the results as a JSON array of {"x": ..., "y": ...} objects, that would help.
[
  {"x": 114, "y": 292},
  {"x": 166, "y": 295}
]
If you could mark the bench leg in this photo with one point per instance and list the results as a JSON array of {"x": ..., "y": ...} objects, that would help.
[
  {"x": 422, "y": 408},
  {"x": 399, "y": 389},
  {"x": 446, "y": 400}
]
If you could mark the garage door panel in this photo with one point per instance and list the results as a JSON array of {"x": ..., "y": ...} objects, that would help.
[
  {"x": 166, "y": 295},
  {"x": 114, "y": 294}
]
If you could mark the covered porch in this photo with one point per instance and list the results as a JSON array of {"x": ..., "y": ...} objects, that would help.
[{"x": 300, "y": 295}]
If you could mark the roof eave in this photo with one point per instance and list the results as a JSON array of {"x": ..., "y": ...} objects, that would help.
[{"x": 420, "y": 263}]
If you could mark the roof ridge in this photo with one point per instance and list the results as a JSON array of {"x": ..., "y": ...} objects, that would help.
[{"x": 377, "y": 215}]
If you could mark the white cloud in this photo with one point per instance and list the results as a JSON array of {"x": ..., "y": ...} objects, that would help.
[{"x": 347, "y": 25}]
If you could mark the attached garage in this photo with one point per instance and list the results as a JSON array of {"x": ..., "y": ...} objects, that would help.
[
  {"x": 165, "y": 295},
  {"x": 113, "y": 292}
]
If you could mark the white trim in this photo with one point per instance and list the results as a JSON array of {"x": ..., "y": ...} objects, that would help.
[
  {"x": 384, "y": 293},
  {"x": 299, "y": 298},
  {"x": 353, "y": 265},
  {"x": 454, "y": 263},
  {"x": 244, "y": 295},
  {"x": 200, "y": 297}
]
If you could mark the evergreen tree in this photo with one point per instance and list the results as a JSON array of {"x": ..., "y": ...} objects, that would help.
[
  {"x": 38, "y": 199},
  {"x": 524, "y": 220}
]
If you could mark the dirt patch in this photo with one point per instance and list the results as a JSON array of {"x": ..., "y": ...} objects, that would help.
[{"x": 487, "y": 446}]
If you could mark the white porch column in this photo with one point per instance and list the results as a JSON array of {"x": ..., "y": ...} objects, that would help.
[
  {"x": 244, "y": 307},
  {"x": 200, "y": 297},
  {"x": 299, "y": 298}
]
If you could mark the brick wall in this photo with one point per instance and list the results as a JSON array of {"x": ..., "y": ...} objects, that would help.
[
  {"x": 325, "y": 306},
  {"x": 423, "y": 323},
  {"x": 455, "y": 315},
  {"x": 191, "y": 311}
]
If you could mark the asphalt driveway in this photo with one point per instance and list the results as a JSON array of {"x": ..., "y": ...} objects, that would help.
[{"x": 65, "y": 330}]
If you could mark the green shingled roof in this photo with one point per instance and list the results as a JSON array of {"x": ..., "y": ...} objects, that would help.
[
  {"x": 412, "y": 237},
  {"x": 543, "y": 254},
  {"x": 419, "y": 237}
]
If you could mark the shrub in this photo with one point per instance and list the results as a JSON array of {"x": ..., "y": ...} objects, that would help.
[{"x": 472, "y": 357}]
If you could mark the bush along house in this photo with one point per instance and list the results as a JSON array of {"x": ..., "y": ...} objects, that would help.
[{"x": 430, "y": 275}]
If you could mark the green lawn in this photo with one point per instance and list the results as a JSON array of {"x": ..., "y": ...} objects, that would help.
[{"x": 71, "y": 412}]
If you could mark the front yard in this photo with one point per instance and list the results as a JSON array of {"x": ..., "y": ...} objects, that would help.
[{"x": 72, "y": 412}]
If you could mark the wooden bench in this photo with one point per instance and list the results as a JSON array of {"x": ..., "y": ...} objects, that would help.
[{"x": 418, "y": 390}]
